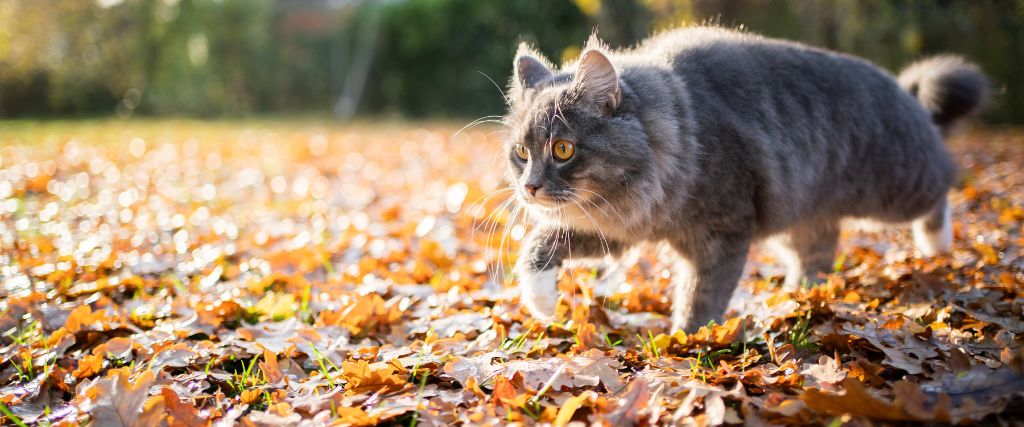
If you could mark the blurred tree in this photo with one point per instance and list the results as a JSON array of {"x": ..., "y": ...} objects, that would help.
[
  {"x": 422, "y": 57},
  {"x": 441, "y": 56}
]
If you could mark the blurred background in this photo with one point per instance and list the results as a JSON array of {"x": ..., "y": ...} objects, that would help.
[{"x": 420, "y": 58}]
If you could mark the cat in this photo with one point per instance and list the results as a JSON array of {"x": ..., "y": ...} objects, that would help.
[{"x": 708, "y": 139}]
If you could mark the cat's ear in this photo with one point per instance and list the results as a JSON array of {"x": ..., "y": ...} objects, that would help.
[
  {"x": 528, "y": 69},
  {"x": 596, "y": 81}
]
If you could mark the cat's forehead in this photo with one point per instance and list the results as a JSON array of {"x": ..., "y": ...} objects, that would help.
[{"x": 544, "y": 110}]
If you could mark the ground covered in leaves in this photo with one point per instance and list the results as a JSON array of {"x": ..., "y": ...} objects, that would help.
[{"x": 283, "y": 273}]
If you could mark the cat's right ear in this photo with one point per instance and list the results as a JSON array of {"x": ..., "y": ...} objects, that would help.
[{"x": 528, "y": 70}]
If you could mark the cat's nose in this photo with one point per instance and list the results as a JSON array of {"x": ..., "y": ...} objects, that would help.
[{"x": 532, "y": 189}]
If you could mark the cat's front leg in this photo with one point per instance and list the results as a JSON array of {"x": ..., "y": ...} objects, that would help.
[
  {"x": 542, "y": 254},
  {"x": 705, "y": 277}
]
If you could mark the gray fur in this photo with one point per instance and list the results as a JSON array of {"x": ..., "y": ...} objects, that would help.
[
  {"x": 717, "y": 139},
  {"x": 948, "y": 86}
]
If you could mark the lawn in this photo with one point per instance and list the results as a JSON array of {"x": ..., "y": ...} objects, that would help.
[{"x": 283, "y": 272}]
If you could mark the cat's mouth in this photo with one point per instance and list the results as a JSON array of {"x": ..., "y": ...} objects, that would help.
[{"x": 545, "y": 200}]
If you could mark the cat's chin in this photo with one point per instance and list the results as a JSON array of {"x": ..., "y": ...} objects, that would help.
[
  {"x": 549, "y": 213},
  {"x": 546, "y": 205}
]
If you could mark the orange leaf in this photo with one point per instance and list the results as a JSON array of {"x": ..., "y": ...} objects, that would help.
[
  {"x": 570, "y": 406},
  {"x": 504, "y": 392},
  {"x": 270, "y": 367},
  {"x": 363, "y": 377},
  {"x": 353, "y": 416},
  {"x": 88, "y": 366},
  {"x": 118, "y": 399},
  {"x": 78, "y": 318},
  {"x": 182, "y": 414}
]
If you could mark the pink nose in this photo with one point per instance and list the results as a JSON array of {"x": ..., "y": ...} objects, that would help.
[{"x": 532, "y": 189}]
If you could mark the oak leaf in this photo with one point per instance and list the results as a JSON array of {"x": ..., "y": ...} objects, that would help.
[
  {"x": 363, "y": 377},
  {"x": 117, "y": 400}
]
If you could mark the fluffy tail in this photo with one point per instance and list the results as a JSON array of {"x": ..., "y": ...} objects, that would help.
[{"x": 948, "y": 86}]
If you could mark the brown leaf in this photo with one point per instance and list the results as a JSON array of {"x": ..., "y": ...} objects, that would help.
[
  {"x": 1008, "y": 322},
  {"x": 630, "y": 404},
  {"x": 826, "y": 371},
  {"x": 117, "y": 400},
  {"x": 480, "y": 367},
  {"x": 979, "y": 391},
  {"x": 902, "y": 350},
  {"x": 270, "y": 368},
  {"x": 363, "y": 377},
  {"x": 589, "y": 369},
  {"x": 504, "y": 393},
  {"x": 181, "y": 414},
  {"x": 854, "y": 401}
]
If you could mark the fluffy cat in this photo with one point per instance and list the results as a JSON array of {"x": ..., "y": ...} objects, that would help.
[{"x": 709, "y": 139}]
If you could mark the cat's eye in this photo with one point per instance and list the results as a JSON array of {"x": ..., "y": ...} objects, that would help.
[
  {"x": 522, "y": 152},
  {"x": 563, "y": 150}
]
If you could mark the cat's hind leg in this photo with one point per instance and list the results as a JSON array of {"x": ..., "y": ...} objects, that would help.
[
  {"x": 933, "y": 233},
  {"x": 807, "y": 250}
]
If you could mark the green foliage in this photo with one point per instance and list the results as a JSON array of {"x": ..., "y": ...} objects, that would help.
[{"x": 420, "y": 57}]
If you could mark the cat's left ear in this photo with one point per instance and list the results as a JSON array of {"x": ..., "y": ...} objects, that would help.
[{"x": 597, "y": 82}]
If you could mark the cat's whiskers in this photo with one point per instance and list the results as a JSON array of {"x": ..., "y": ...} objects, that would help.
[
  {"x": 598, "y": 207},
  {"x": 597, "y": 227},
  {"x": 554, "y": 242},
  {"x": 492, "y": 218},
  {"x": 499, "y": 120},
  {"x": 482, "y": 203},
  {"x": 489, "y": 243},
  {"x": 572, "y": 265},
  {"x": 506, "y": 233},
  {"x": 493, "y": 228},
  {"x": 502, "y": 93},
  {"x": 497, "y": 131}
]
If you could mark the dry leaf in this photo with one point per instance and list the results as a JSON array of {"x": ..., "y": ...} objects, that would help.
[
  {"x": 366, "y": 378},
  {"x": 117, "y": 399}
]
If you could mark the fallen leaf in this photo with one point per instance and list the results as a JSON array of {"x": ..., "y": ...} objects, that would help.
[
  {"x": 117, "y": 399},
  {"x": 182, "y": 414},
  {"x": 364, "y": 378},
  {"x": 855, "y": 400},
  {"x": 566, "y": 411}
]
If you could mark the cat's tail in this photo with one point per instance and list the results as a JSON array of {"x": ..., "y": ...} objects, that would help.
[{"x": 948, "y": 86}]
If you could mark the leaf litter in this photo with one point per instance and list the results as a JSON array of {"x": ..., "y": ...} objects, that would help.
[{"x": 188, "y": 273}]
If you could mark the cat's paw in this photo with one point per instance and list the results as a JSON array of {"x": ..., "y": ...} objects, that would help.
[
  {"x": 931, "y": 240},
  {"x": 538, "y": 293}
]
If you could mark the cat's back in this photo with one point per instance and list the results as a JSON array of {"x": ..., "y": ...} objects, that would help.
[
  {"x": 790, "y": 93},
  {"x": 721, "y": 56}
]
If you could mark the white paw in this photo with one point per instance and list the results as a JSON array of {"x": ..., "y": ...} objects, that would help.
[
  {"x": 538, "y": 292},
  {"x": 931, "y": 243}
]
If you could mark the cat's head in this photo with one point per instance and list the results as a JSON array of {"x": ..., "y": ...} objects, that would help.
[{"x": 577, "y": 150}]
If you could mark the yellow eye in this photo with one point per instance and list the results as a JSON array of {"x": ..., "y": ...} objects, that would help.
[
  {"x": 522, "y": 152},
  {"x": 564, "y": 150}
]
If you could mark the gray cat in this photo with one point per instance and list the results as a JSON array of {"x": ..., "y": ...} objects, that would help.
[{"x": 709, "y": 139}]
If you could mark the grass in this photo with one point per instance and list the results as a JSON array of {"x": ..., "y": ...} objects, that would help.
[
  {"x": 242, "y": 381},
  {"x": 11, "y": 417},
  {"x": 320, "y": 359},
  {"x": 514, "y": 345},
  {"x": 649, "y": 345},
  {"x": 706, "y": 362},
  {"x": 608, "y": 340},
  {"x": 799, "y": 336}
]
